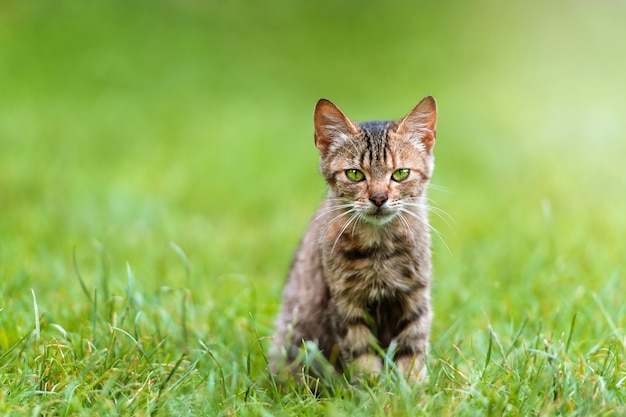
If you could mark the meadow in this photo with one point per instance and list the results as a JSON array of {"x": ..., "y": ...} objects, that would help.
[{"x": 157, "y": 169}]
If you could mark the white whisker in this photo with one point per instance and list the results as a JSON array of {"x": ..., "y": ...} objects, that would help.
[
  {"x": 439, "y": 188},
  {"x": 327, "y": 210},
  {"x": 343, "y": 229},
  {"x": 359, "y": 216},
  {"x": 442, "y": 214},
  {"x": 409, "y": 230},
  {"x": 328, "y": 224},
  {"x": 428, "y": 225}
]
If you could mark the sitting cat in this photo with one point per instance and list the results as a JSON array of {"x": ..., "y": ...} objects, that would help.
[{"x": 361, "y": 276}]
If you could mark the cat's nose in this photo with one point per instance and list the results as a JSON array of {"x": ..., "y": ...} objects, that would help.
[{"x": 378, "y": 199}]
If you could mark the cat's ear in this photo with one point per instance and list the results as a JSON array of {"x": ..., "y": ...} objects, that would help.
[
  {"x": 331, "y": 125},
  {"x": 420, "y": 124}
]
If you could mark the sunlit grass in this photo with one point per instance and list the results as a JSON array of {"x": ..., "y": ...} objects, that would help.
[{"x": 142, "y": 353}]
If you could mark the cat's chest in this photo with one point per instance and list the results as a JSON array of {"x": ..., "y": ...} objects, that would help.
[{"x": 372, "y": 270}]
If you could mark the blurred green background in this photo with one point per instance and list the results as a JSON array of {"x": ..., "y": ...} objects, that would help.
[{"x": 125, "y": 126}]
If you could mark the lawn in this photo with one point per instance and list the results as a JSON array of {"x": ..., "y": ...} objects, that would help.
[{"x": 157, "y": 170}]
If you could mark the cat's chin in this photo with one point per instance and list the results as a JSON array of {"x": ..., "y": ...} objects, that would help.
[{"x": 379, "y": 219}]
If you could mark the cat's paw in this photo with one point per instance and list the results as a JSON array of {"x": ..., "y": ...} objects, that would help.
[
  {"x": 367, "y": 366},
  {"x": 412, "y": 368}
]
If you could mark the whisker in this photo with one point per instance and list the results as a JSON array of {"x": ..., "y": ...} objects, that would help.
[
  {"x": 323, "y": 212},
  {"x": 329, "y": 209},
  {"x": 428, "y": 225},
  {"x": 408, "y": 227},
  {"x": 442, "y": 214},
  {"x": 343, "y": 229},
  {"x": 359, "y": 215},
  {"x": 414, "y": 215},
  {"x": 328, "y": 224},
  {"x": 334, "y": 207},
  {"x": 439, "y": 188}
]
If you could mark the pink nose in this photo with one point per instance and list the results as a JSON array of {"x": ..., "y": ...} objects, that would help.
[{"x": 378, "y": 199}]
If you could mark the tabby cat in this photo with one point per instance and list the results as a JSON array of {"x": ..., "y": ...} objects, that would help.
[{"x": 360, "y": 280}]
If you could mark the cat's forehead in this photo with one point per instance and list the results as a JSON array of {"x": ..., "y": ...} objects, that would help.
[{"x": 381, "y": 136}]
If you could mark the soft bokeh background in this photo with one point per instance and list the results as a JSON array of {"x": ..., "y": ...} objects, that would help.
[{"x": 125, "y": 126}]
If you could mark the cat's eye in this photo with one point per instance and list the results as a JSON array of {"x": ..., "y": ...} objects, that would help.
[
  {"x": 400, "y": 175},
  {"x": 355, "y": 175}
]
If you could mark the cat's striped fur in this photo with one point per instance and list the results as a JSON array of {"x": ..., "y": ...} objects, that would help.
[{"x": 361, "y": 275}]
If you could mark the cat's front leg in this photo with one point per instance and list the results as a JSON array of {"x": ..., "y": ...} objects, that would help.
[
  {"x": 355, "y": 349},
  {"x": 412, "y": 344},
  {"x": 355, "y": 340}
]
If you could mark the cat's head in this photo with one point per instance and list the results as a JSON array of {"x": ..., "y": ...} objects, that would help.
[{"x": 378, "y": 168}]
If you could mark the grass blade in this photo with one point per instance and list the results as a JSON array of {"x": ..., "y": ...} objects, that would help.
[
  {"x": 80, "y": 278},
  {"x": 488, "y": 357},
  {"x": 571, "y": 332},
  {"x": 36, "y": 310}
]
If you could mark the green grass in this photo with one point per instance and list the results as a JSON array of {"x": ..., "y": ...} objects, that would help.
[{"x": 157, "y": 170}]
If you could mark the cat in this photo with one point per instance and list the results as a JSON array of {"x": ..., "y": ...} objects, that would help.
[{"x": 360, "y": 280}]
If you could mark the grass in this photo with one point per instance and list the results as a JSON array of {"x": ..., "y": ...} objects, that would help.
[{"x": 157, "y": 170}]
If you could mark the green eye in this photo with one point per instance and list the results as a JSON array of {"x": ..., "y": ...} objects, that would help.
[
  {"x": 355, "y": 175},
  {"x": 400, "y": 174}
]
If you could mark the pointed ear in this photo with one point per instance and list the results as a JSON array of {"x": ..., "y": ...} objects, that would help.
[
  {"x": 330, "y": 125},
  {"x": 420, "y": 123}
]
